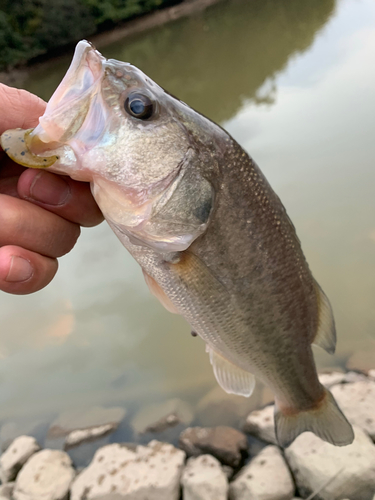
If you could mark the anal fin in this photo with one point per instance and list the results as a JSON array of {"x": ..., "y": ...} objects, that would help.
[
  {"x": 232, "y": 379},
  {"x": 326, "y": 332}
]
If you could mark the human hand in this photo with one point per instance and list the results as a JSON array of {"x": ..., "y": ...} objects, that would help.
[{"x": 40, "y": 212}]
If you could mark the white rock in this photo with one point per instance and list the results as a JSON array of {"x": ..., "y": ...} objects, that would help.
[
  {"x": 228, "y": 471},
  {"x": 355, "y": 377},
  {"x": 350, "y": 469},
  {"x": 357, "y": 400},
  {"x": 204, "y": 479},
  {"x": 132, "y": 473},
  {"x": 6, "y": 491},
  {"x": 266, "y": 477},
  {"x": 87, "y": 418},
  {"x": 84, "y": 435},
  {"x": 15, "y": 456},
  {"x": 331, "y": 378},
  {"x": 371, "y": 374},
  {"x": 47, "y": 475},
  {"x": 261, "y": 423}
]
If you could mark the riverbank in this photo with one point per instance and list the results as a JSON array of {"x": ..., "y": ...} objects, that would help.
[
  {"x": 218, "y": 462},
  {"x": 16, "y": 76}
]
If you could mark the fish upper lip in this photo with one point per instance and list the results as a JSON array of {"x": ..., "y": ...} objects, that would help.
[
  {"x": 94, "y": 59},
  {"x": 80, "y": 82},
  {"x": 85, "y": 54}
]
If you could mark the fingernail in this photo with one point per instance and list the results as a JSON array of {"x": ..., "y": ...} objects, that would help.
[
  {"x": 49, "y": 189},
  {"x": 20, "y": 270}
]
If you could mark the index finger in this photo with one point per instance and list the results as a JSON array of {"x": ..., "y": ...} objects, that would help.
[
  {"x": 19, "y": 108},
  {"x": 61, "y": 195}
]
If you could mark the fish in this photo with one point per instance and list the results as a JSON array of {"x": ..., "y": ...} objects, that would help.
[{"x": 214, "y": 241}]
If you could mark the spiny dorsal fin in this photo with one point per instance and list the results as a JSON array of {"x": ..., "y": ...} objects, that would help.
[
  {"x": 232, "y": 379},
  {"x": 326, "y": 332}
]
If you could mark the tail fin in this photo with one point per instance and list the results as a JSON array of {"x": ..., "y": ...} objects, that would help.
[{"x": 326, "y": 421}]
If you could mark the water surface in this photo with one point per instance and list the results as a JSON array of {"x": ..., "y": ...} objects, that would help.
[{"x": 293, "y": 82}]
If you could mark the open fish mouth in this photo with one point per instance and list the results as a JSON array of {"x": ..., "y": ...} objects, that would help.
[
  {"x": 68, "y": 107},
  {"x": 74, "y": 120}
]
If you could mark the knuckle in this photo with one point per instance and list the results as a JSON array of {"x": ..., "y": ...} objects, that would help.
[{"x": 68, "y": 238}]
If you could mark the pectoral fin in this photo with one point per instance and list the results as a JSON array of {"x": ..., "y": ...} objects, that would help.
[
  {"x": 326, "y": 333},
  {"x": 159, "y": 293},
  {"x": 232, "y": 379}
]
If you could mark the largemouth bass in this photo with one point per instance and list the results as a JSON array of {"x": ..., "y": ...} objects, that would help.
[{"x": 213, "y": 239}]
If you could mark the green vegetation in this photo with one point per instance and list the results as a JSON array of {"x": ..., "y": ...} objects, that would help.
[{"x": 29, "y": 28}]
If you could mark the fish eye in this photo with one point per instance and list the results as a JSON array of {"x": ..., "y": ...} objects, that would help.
[{"x": 139, "y": 106}]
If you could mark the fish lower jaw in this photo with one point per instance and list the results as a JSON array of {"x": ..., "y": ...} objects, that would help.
[{"x": 69, "y": 164}]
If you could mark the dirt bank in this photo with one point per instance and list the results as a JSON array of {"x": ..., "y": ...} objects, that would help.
[{"x": 17, "y": 76}]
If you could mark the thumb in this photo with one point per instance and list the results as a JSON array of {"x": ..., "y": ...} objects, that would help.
[{"x": 19, "y": 108}]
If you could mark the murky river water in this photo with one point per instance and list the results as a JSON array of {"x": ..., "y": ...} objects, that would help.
[{"x": 294, "y": 83}]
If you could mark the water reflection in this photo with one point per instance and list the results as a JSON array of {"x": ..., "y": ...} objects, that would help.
[
  {"x": 292, "y": 81},
  {"x": 217, "y": 59}
]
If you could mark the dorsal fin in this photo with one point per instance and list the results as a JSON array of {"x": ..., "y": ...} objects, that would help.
[{"x": 326, "y": 331}]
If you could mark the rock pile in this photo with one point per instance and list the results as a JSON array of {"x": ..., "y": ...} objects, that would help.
[{"x": 217, "y": 467}]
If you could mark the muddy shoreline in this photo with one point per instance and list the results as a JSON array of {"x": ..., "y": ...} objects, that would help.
[{"x": 16, "y": 76}]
